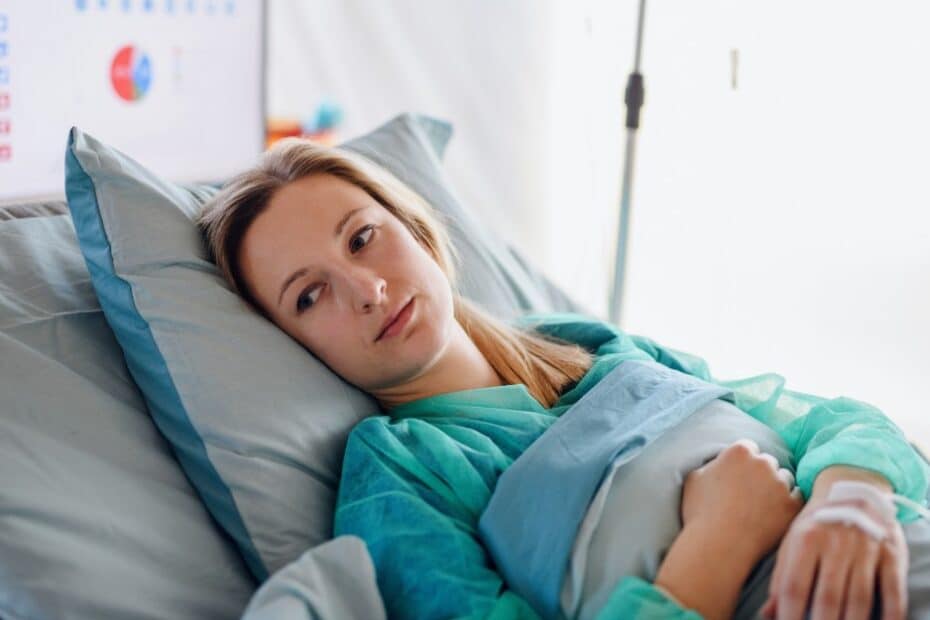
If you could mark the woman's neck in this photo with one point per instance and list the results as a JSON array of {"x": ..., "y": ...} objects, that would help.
[{"x": 461, "y": 367}]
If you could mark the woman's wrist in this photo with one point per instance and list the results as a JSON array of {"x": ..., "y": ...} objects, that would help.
[
  {"x": 684, "y": 572},
  {"x": 830, "y": 475}
]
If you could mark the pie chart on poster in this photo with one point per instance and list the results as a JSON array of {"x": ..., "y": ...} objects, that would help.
[{"x": 131, "y": 73}]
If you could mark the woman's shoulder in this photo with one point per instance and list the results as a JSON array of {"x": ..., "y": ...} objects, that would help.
[{"x": 379, "y": 432}]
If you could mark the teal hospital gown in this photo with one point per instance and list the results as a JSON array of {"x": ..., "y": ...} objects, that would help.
[{"x": 415, "y": 483}]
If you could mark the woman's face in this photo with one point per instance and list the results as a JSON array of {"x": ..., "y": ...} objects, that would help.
[{"x": 330, "y": 265}]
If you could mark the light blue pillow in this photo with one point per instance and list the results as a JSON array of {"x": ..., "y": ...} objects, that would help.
[
  {"x": 258, "y": 423},
  {"x": 97, "y": 519}
]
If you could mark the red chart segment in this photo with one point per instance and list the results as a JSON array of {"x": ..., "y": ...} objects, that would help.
[{"x": 131, "y": 73}]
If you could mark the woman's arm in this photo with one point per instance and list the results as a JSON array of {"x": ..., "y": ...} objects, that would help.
[
  {"x": 685, "y": 575},
  {"x": 862, "y": 444},
  {"x": 734, "y": 510},
  {"x": 821, "y": 433},
  {"x": 831, "y": 440},
  {"x": 850, "y": 565},
  {"x": 423, "y": 541},
  {"x": 833, "y": 474}
]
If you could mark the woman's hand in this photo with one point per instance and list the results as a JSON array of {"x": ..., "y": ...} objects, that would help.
[
  {"x": 840, "y": 565},
  {"x": 745, "y": 494}
]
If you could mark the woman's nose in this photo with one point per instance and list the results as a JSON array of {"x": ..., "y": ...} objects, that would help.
[{"x": 367, "y": 289}]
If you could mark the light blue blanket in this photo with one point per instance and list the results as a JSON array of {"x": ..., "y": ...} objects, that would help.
[{"x": 530, "y": 524}]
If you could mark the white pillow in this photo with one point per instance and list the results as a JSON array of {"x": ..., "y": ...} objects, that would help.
[{"x": 258, "y": 423}]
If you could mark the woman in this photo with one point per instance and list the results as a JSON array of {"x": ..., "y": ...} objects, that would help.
[{"x": 356, "y": 267}]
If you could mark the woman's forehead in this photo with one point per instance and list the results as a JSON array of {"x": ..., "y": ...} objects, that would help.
[
  {"x": 296, "y": 229},
  {"x": 324, "y": 192}
]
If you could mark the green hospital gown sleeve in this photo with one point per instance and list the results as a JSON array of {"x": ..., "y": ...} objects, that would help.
[
  {"x": 819, "y": 432},
  {"x": 421, "y": 535},
  {"x": 421, "y": 532}
]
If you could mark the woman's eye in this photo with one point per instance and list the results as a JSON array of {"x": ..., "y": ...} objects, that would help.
[
  {"x": 367, "y": 229},
  {"x": 304, "y": 300},
  {"x": 309, "y": 296}
]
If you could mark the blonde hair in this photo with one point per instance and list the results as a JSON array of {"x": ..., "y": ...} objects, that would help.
[{"x": 546, "y": 365}]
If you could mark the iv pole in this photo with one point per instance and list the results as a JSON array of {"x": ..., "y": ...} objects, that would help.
[{"x": 633, "y": 98}]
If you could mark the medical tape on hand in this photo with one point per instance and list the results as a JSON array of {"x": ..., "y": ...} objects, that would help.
[
  {"x": 851, "y": 515},
  {"x": 882, "y": 501},
  {"x": 848, "y": 488}
]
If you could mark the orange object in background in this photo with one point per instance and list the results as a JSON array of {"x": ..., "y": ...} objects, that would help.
[{"x": 278, "y": 127}]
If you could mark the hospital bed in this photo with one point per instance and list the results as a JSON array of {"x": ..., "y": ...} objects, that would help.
[
  {"x": 98, "y": 518},
  {"x": 100, "y": 514}
]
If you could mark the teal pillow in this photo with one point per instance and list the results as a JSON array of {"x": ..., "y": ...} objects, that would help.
[
  {"x": 97, "y": 519},
  {"x": 258, "y": 423}
]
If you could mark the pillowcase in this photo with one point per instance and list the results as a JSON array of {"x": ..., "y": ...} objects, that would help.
[
  {"x": 335, "y": 580},
  {"x": 257, "y": 422},
  {"x": 97, "y": 519}
]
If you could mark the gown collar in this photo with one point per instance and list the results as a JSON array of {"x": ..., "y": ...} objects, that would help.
[{"x": 513, "y": 396}]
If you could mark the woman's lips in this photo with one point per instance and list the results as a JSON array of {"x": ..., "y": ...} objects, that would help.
[{"x": 399, "y": 323}]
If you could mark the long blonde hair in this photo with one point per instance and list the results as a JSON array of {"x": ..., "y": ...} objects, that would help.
[{"x": 546, "y": 365}]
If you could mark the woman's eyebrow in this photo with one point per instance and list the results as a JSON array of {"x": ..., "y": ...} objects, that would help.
[
  {"x": 290, "y": 280},
  {"x": 303, "y": 270},
  {"x": 345, "y": 219}
]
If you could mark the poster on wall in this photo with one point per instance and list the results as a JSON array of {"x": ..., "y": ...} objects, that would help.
[{"x": 176, "y": 84}]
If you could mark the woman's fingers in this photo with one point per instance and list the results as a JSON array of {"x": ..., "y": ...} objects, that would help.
[
  {"x": 832, "y": 581},
  {"x": 749, "y": 443},
  {"x": 787, "y": 477},
  {"x": 768, "y": 610},
  {"x": 893, "y": 586},
  {"x": 837, "y": 568},
  {"x": 782, "y": 472},
  {"x": 795, "y": 584},
  {"x": 862, "y": 582}
]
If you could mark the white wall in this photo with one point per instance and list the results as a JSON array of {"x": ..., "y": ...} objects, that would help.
[{"x": 782, "y": 226}]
